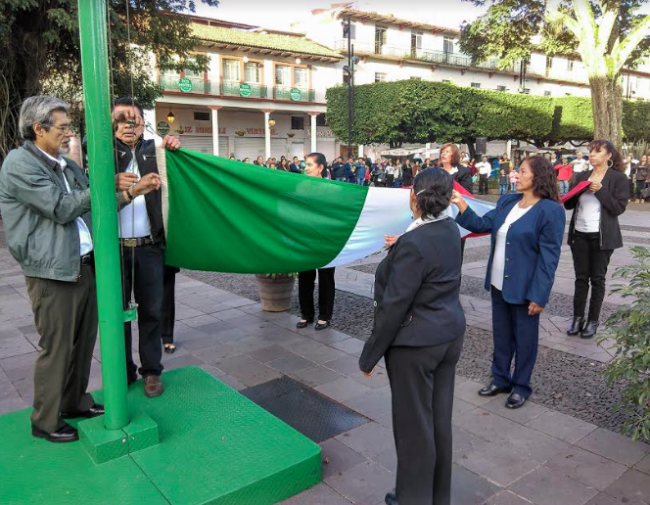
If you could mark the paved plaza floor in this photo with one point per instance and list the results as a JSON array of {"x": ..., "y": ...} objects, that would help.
[{"x": 535, "y": 455}]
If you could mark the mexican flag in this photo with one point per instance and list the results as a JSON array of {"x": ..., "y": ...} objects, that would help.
[{"x": 227, "y": 216}]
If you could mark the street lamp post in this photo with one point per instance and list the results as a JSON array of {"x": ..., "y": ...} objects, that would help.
[{"x": 349, "y": 71}]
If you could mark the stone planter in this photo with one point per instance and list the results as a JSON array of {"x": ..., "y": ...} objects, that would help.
[{"x": 275, "y": 294}]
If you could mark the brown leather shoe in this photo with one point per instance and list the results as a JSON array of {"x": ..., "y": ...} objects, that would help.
[{"x": 153, "y": 386}]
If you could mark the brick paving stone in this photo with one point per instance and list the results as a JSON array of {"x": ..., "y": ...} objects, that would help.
[
  {"x": 486, "y": 424},
  {"x": 233, "y": 382},
  {"x": 534, "y": 445},
  {"x": 613, "y": 446},
  {"x": 498, "y": 464},
  {"x": 343, "y": 389},
  {"x": 522, "y": 416},
  {"x": 561, "y": 426},
  {"x": 387, "y": 459},
  {"x": 321, "y": 494},
  {"x": 373, "y": 405},
  {"x": 315, "y": 351},
  {"x": 644, "y": 465},
  {"x": 633, "y": 485},
  {"x": 468, "y": 390},
  {"x": 468, "y": 488},
  {"x": 316, "y": 375},
  {"x": 14, "y": 346},
  {"x": 507, "y": 498},
  {"x": 548, "y": 487},
  {"x": 379, "y": 379},
  {"x": 351, "y": 346},
  {"x": 338, "y": 457},
  {"x": 586, "y": 467},
  {"x": 269, "y": 353},
  {"x": 369, "y": 439},
  {"x": 345, "y": 365},
  {"x": 461, "y": 406},
  {"x": 605, "y": 499},
  {"x": 464, "y": 443},
  {"x": 216, "y": 353},
  {"x": 181, "y": 361},
  {"x": 290, "y": 363},
  {"x": 364, "y": 484}
]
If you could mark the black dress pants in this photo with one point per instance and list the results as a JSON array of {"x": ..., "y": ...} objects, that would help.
[
  {"x": 483, "y": 184},
  {"x": 590, "y": 264},
  {"x": 326, "y": 290},
  {"x": 422, "y": 391},
  {"x": 143, "y": 272},
  {"x": 168, "y": 304}
]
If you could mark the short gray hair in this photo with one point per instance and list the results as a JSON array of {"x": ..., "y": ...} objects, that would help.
[{"x": 39, "y": 109}]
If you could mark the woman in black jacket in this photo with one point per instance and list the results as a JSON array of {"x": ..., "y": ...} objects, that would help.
[
  {"x": 594, "y": 232},
  {"x": 419, "y": 327},
  {"x": 450, "y": 162}
]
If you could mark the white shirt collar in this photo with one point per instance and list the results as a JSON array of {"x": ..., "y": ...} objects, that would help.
[
  {"x": 59, "y": 160},
  {"x": 426, "y": 220}
]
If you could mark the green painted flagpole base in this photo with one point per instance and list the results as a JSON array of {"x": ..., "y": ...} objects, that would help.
[{"x": 215, "y": 447}]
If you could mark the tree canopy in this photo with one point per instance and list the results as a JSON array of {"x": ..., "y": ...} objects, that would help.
[
  {"x": 421, "y": 111},
  {"x": 39, "y": 51},
  {"x": 606, "y": 34}
]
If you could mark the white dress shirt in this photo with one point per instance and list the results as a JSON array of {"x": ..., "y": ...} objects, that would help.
[
  {"x": 484, "y": 168},
  {"x": 85, "y": 238},
  {"x": 134, "y": 220},
  {"x": 499, "y": 258},
  {"x": 588, "y": 213}
]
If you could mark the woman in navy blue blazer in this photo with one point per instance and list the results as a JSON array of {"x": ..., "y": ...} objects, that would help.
[{"x": 527, "y": 230}]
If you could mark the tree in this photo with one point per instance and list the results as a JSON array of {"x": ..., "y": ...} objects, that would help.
[
  {"x": 39, "y": 51},
  {"x": 606, "y": 34}
]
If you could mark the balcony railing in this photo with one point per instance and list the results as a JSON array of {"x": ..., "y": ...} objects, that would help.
[
  {"x": 173, "y": 83},
  {"x": 294, "y": 94},
  {"x": 245, "y": 90}
]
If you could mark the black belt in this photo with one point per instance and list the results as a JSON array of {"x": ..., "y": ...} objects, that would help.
[
  {"x": 136, "y": 242},
  {"x": 88, "y": 259}
]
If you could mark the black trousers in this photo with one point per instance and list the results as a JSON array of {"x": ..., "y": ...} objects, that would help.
[
  {"x": 422, "y": 391},
  {"x": 326, "y": 290},
  {"x": 143, "y": 273},
  {"x": 640, "y": 186},
  {"x": 168, "y": 304},
  {"x": 590, "y": 264},
  {"x": 483, "y": 184}
]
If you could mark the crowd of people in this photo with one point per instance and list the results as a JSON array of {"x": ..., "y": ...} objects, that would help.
[{"x": 419, "y": 322}]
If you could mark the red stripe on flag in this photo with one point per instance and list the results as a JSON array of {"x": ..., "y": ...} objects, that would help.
[{"x": 579, "y": 188}]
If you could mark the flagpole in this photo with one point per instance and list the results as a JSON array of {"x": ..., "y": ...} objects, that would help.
[{"x": 101, "y": 162}]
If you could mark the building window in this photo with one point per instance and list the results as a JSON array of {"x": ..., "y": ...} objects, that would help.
[
  {"x": 549, "y": 64},
  {"x": 416, "y": 43},
  {"x": 380, "y": 38},
  {"x": 448, "y": 45},
  {"x": 501, "y": 88},
  {"x": 201, "y": 116},
  {"x": 353, "y": 30},
  {"x": 253, "y": 72},
  {"x": 547, "y": 93},
  {"x": 321, "y": 120},
  {"x": 297, "y": 123},
  {"x": 282, "y": 75},
  {"x": 380, "y": 77},
  {"x": 569, "y": 65},
  {"x": 301, "y": 77},
  {"x": 231, "y": 70},
  {"x": 476, "y": 85}
]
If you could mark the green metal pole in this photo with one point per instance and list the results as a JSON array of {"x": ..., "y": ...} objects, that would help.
[{"x": 101, "y": 161}]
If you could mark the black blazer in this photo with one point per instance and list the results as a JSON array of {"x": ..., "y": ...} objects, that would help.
[
  {"x": 464, "y": 178},
  {"x": 145, "y": 153},
  {"x": 613, "y": 198},
  {"x": 417, "y": 292}
]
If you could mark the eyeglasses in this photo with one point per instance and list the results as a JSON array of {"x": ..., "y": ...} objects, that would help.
[{"x": 64, "y": 128}]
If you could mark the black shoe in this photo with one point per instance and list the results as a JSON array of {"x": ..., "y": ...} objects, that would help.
[
  {"x": 493, "y": 390},
  {"x": 94, "y": 411},
  {"x": 131, "y": 377},
  {"x": 390, "y": 499},
  {"x": 590, "y": 329},
  {"x": 62, "y": 435},
  {"x": 515, "y": 401},
  {"x": 576, "y": 326},
  {"x": 303, "y": 323},
  {"x": 321, "y": 326}
]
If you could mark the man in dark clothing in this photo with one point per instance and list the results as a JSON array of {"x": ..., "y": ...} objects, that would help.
[
  {"x": 295, "y": 166},
  {"x": 142, "y": 238},
  {"x": 338, "y": 170}
]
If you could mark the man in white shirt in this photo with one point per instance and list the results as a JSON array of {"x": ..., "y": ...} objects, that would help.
[
  {"x": 484, "y": 169},
  {"x": 142, "y": 237}
]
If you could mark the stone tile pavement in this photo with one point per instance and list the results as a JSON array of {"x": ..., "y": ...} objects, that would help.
[{"x": 501, "y": 457}]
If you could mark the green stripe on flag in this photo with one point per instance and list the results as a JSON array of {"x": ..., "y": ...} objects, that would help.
[{"x": 226, "y": 216}]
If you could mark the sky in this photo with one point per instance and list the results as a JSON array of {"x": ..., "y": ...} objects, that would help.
[{"x": 279, "y": 14}]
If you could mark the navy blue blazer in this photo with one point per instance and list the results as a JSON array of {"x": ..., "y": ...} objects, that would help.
[{"x": 533, "y": 246}]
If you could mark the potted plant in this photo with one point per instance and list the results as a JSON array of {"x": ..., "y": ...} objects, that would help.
[
  {"x": 629, "y": 327},
  {"x": 276, "y": 291}
]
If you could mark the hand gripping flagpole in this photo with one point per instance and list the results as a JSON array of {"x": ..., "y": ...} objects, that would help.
[{"x": 101, "y": 161}]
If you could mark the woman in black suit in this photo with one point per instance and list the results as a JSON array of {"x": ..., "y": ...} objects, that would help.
[
  {"x": 526, "y": 240},
  {"x": 419, "y": 327},
  {"x": 594, "y": 232}
]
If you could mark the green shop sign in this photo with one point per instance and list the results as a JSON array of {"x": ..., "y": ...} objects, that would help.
[
  {"x": 296, "y": 94},
  {"x": 245, "y": 89},
  {"x": 185, "y": 85},
  {"x": 163, "y": 128}
]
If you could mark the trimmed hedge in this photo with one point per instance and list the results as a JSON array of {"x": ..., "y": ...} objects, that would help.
[{"x": 413, "y": 111}]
